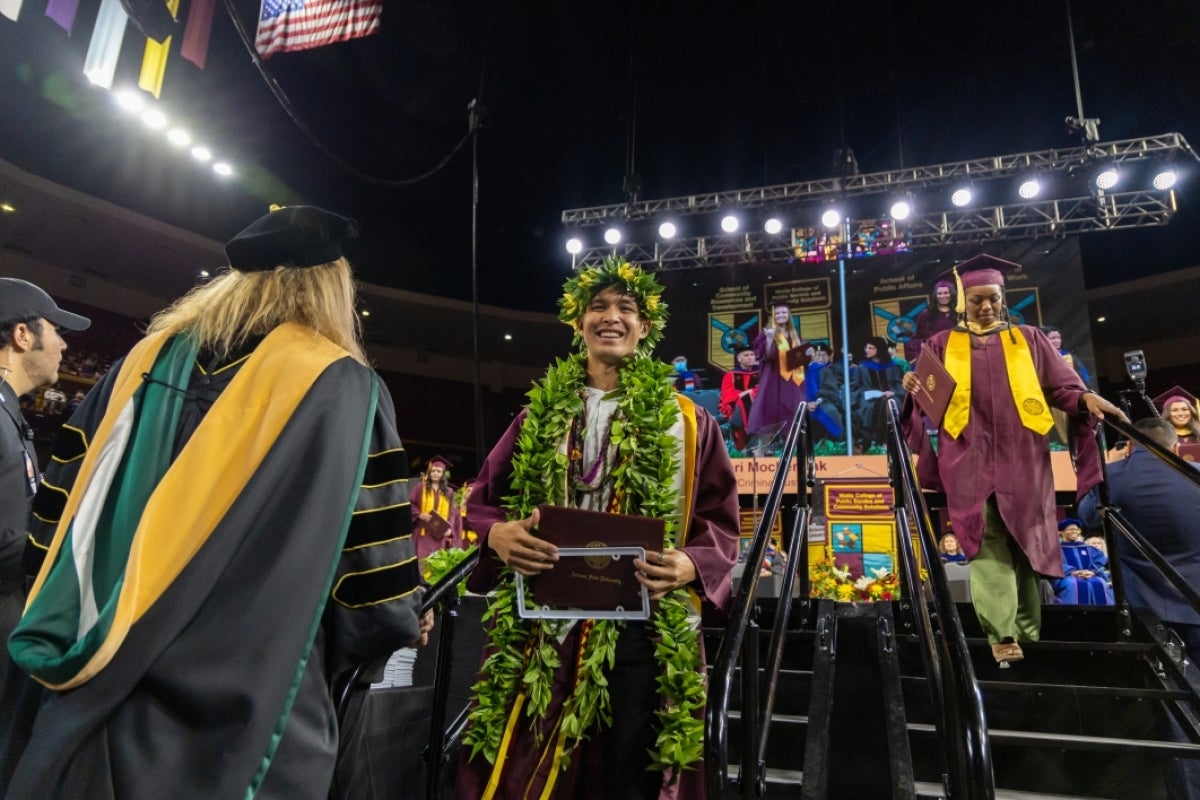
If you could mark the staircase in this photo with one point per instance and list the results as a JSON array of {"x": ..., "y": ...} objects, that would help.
[{"x": 1097, "y": 709}]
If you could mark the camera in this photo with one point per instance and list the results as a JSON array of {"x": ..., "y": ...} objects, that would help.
[{"x": 1135, "y": 366}]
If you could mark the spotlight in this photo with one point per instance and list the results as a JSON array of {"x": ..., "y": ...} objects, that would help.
[
  {"x": 201, "y": 153},
  {"x": 130, "y": 100},
  {"x": 154, "y": 119},
  {"x": 574, "y": 246},
  {"x": 831, "y": 218},
  {"x": 222, "y": 169},
  {"x": 667, "y": 230},
  {"x": 961, "y": 196},
  {"x": 1107, "y": 178},
  {"x": 366, "y": 312},
  {"x": 730, "y": 223},
  {"x": 901, "y": 209},
  {"x": 1029, "y": 188},
  {"x": 773, "y": 226},
  {"x": 508, "y": 337},
  {"x": 612, "y": 236},
  {"x": 1165, "y": 179},
  {"x": 179, "y": 137}
]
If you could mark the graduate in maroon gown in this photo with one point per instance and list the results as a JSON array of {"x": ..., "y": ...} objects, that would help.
[
  {"x": 780, "y": 388},
  {"x": 575, "y": 709},
  {"x": 933, "y": 319},
  {"x": 993, "y": 459},
  {"x": 430, "y": 496}
]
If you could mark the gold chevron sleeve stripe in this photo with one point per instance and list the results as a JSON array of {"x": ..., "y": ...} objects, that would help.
[{"x": 243, "y": 421}]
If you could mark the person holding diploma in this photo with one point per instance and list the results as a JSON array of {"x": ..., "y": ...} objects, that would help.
[
  {"x": 782, "y": 358},
  {"x": 993, "y": 460},
  {"x": 580, "y": 708},
  {"x": 436, "y": 520}
]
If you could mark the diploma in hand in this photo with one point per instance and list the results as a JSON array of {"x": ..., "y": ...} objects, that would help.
[
  {"x": 937, "y": 387},
  {"x": 436, "y": 527},
  {"x": 594, "y": 576}
]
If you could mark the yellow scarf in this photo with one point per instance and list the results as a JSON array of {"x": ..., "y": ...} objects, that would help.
[
  {"x": 782, "y": 345},
  {"x": 1022, "y": 379},
  {"x": 435, "y": 500}
]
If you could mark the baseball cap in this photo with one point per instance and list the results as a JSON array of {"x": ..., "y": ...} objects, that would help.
[{"x": 20, "y": 300}]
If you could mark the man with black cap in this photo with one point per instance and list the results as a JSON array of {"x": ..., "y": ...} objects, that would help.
[
  {"x": 738, "y": 388},
  {"x": 993, "y": 460},
  {"x": 222, "y": 534},
  {"x": 32, "y": 351},
  {"x": 436, "y": 519}
]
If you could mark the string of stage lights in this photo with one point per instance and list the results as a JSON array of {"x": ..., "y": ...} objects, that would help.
[
  {"x": 155, "y": 118},
  {"x": 1101, "y": 186}
]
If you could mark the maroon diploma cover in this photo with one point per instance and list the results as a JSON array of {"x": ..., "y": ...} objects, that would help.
[
  {"x": 435, "y": 526},
  {"x": 796, "y": 359},
  {"x": 600, "y": 582},
  {"x": 937, "y": 387}
]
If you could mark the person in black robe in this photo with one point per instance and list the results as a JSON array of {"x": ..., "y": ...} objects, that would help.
[
  {"x": 877, "y": 380},
  {"x": 221, "y": 536}
]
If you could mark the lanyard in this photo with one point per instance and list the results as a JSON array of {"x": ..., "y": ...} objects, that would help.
[{"x": 25, "y": 434}]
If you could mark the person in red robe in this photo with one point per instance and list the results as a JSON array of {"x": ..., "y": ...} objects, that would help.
[
  {"x": 617, "y": 315},
  {"x": 993, "y": 460},
  {"x": 738, "y": 389}
]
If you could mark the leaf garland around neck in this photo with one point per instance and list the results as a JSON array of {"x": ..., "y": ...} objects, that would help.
[{"x": 523, "y": 659}]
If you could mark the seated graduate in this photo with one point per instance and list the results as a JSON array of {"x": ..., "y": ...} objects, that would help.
[
  {"x": 1085, "y": 579},
  {"x": 686, "y": 380},
  {"x": 824, "y": 425}
]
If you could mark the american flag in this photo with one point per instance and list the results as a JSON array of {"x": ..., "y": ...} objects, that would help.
[{"x": 287, "y": 25}]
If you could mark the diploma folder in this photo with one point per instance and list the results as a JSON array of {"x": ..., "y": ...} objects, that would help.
[
  {"x": 436, "y": 527},
  {"x": 594, "y": 576},
  {"x": 937, "y": 387}
]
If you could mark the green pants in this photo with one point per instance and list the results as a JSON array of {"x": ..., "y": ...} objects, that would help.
[{"x": 1004, "y": 588}]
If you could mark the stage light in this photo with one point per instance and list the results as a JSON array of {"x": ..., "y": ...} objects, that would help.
[
  {"x": 773, "y": 226},
  {"x": 1107, "y": 178},
  {"x": 574, "y": 246},
  {"x": 154, "y": 119},
  {"x": 667, "y": 230},
  {"x": 222, "y": 169},
  {"x": 130, "y": 100},
  {"x": 366, "y": 312},
  {"x": 201, "y": 153},
  {"x": 961, "y": 196},
  {"x": 831, "y": 218},
  {"x": 901, "y": 209},
  {"x": 1029, "y": 188},
  {"x": 730, "y": 223},
  {"x": 508, "y": 337},
  {"x": 179, "y": 137},
  {"x": 8, "y": 208},
  {"x": 612, "y": 236},
  {"x": 1165, "y": 179}
]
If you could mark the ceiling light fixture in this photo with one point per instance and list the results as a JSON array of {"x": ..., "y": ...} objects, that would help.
[
  {"x": 730, "y": 223},
  {"x": 1029, "y": 188},
  {"x": 961, "y": 196},
  {"x": 667, "y": 230},
  {"x": 574, "y": 246},
  {"x": 1165, "y": 179},
  {"x": 773, "y": 226},
  {"x": 612, "y": 236}
]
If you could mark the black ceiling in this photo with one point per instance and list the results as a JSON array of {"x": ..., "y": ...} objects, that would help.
[{"x": 716, "y": 96}]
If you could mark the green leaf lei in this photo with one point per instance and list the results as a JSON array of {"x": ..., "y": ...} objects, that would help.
[{"x": 523, "y": 658}]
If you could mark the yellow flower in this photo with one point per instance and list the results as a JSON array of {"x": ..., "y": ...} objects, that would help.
[
  {"x": 625, "y": 272},
  {"x": 586, "y": 279},
  {"x": 875, "y": 589},
  {"x": 652, "y": 303},
  {"x": 845, "y": 591}
]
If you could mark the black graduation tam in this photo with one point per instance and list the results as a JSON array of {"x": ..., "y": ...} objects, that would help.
[
  {"x": 821, "y": 347},
  {"x": 741, "y": 347},
  {"x": 291, "y": 236}
]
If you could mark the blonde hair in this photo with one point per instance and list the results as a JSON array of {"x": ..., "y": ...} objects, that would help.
[{"x": 223, "y": 313}]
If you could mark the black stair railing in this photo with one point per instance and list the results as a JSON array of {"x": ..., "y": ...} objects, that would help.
[
  {"x": 740, "y": 638},
  {"x": 956, "y": 696}
]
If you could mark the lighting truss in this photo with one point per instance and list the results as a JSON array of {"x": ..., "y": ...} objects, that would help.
[
  {"x": 1012, "y": 221},
  {"x": 1162, "y": 146},
  {"x": 1072, "y": 214}
]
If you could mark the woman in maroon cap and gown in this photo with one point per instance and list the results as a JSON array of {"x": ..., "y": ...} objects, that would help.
[
  {"x": 780, "y": 387},
  {"x": 993, "y": 460}
]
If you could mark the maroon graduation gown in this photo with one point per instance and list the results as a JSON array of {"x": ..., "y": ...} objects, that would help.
[
  {"x": 711, "y": 544},
  {"x": 997, "y": 455}
]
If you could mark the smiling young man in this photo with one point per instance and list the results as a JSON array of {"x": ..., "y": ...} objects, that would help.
[
  {"x": 574, "y": 709},
  {"x": 993, "y": 459}
]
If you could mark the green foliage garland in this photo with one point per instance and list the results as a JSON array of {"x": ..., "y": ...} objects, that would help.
[{"x": 523, "y": 658}]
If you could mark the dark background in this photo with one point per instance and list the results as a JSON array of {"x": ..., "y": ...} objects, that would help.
[{"x": 681, "y": 96}]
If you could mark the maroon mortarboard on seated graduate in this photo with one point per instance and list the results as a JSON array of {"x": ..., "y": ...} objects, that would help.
[
  {"x": 1173, "y": 395},
  {"x": 290, "y": 236}
]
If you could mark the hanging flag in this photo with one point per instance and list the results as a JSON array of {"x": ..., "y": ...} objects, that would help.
[
  {"x": 105, "y": 47},
  {"x": 287, "y": 25},
  {"x": 63, "y": 12},
  {"x": 154, "y": 60},
  {"x": 11, "y": 8},
  {"x": 152, "y": 17},
  {"x": 197, "y": 31}
]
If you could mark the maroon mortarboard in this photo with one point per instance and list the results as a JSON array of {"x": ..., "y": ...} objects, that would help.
[
  {"x": 1175, "y": 393},
  {"x": 445, "y": 462},
  {"x": 980, "y": 270}
]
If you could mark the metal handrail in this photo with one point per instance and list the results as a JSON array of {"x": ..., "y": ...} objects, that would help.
[
  {"x": 716, "y": 716},
  {"x": 957, "y": 699}
]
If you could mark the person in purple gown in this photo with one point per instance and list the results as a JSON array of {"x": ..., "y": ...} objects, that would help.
[
  {"x": 1085, "y": 579},
  {"x": 993, "y": 459},
  {"x": 579, "y": 708},
  {"x": 780, "y": 387},
  {"x": 932, "y": 319}
]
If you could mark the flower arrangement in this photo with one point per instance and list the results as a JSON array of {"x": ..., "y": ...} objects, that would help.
[
  {"x": 440, "y": 562},
  {"x": 830, "y": 582}
]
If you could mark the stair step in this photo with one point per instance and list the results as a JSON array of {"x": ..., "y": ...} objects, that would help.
[
  {"x": 1067, "y": 741},
  {"x": 925, "y": 789}
]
